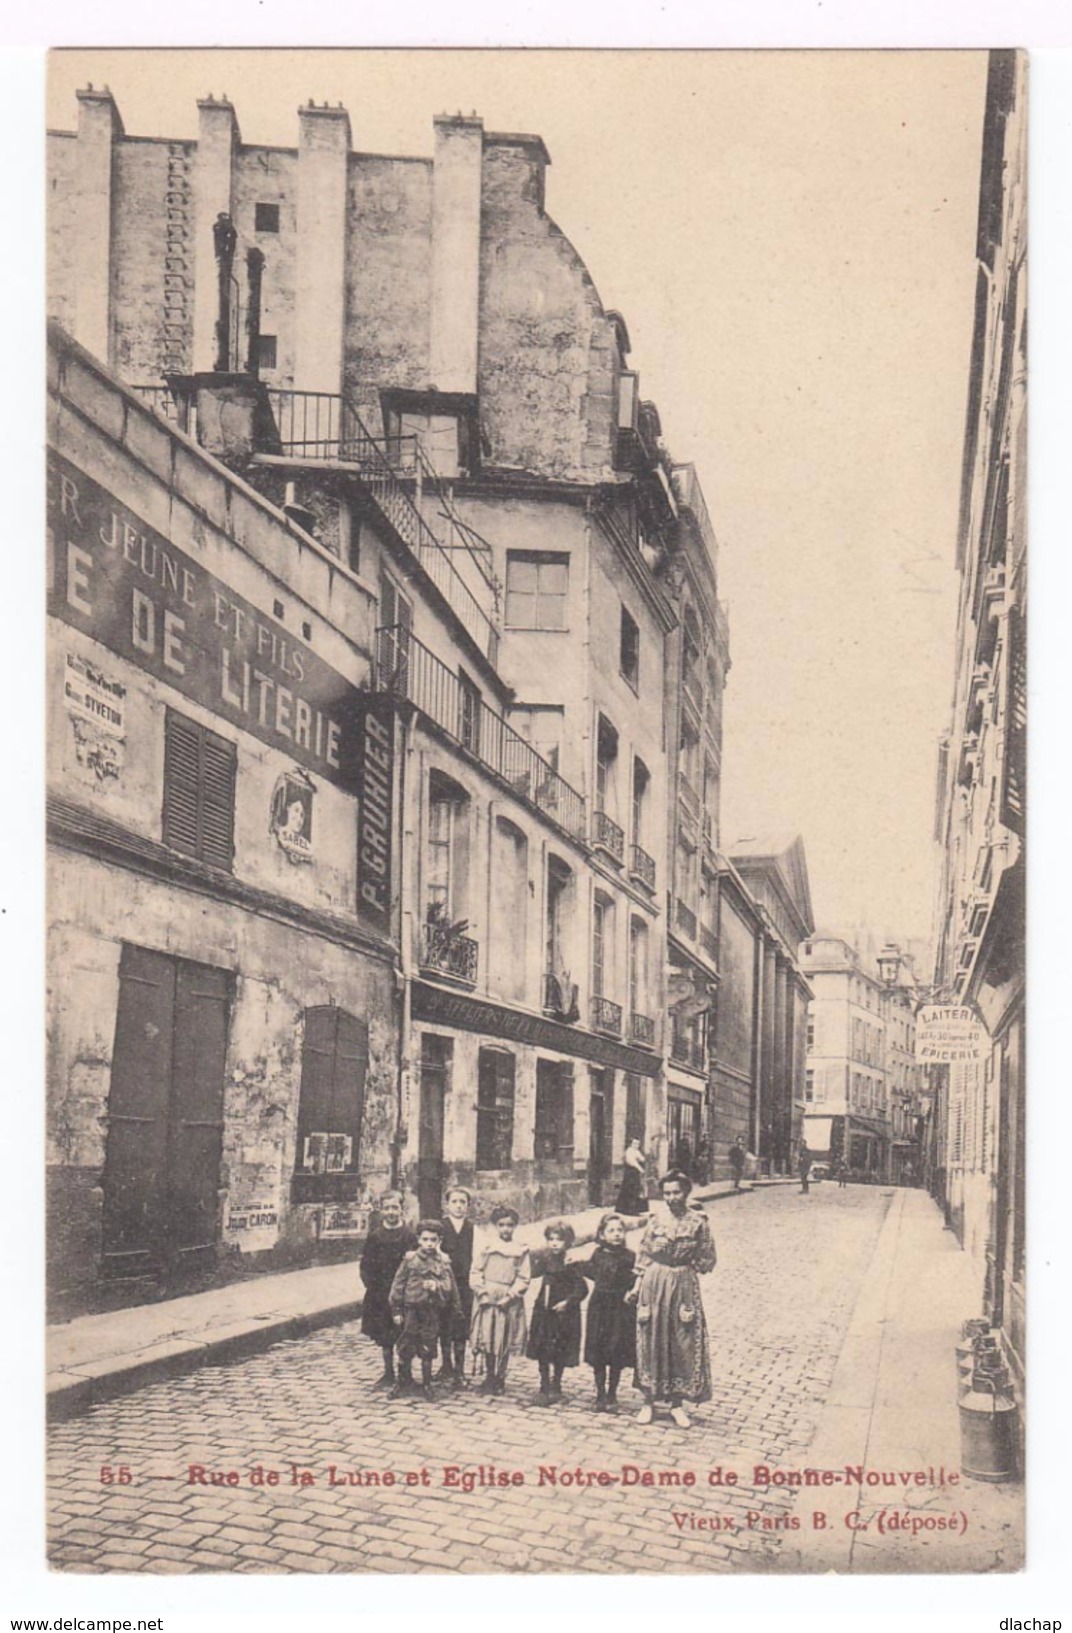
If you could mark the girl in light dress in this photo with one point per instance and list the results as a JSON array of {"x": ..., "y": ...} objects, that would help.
[{"x": 499, "y": 1279}]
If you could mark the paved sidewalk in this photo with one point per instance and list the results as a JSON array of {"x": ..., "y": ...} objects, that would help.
[
  {"x": 97, "y": 1356},
  {"x": 893, "y": 1407}
]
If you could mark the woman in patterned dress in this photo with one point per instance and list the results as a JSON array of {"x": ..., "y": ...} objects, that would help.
[{"x": 673, "y": 1361}]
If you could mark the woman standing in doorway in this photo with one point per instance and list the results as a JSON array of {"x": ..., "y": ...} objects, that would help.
[
  {"x": 631, "y": 1199},
  {"x": 673, "y": 1359}
]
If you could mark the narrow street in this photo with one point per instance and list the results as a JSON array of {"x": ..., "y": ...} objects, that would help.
[{"x": 790, "y": 1270}]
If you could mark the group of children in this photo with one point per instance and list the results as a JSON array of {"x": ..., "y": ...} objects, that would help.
[{"x": 429, "y": 1288}]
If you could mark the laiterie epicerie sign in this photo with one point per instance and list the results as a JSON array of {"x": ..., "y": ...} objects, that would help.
[
  {"x": 946, "y": 1033},
  {"x": 119, "y": 581}
]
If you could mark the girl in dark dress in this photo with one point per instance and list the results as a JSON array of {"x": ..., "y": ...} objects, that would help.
[
  {"x": 555, "y": 1333},
  {"x": 458, "y": 1247},
  {"x": 385, "y": 1249},
  {"x": 610, "y": 1338}
]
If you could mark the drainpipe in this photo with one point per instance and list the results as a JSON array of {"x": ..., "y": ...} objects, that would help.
[
  {"x": 224, "y": 241},
  {"x": 406, "y": 880}
]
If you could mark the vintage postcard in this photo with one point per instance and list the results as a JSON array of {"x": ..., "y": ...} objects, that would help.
[{"x": 536, "y": 707}]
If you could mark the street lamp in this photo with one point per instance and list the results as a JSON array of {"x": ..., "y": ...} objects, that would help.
[{"x": 889, "y": 963}]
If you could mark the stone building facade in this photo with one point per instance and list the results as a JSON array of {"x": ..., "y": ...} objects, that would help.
[
  {"x": 774, "y": 871},
  {"x": 223, "y": 1003},
  {"x": 409, "y": 361},
  {"x": 981, "y": 807}
]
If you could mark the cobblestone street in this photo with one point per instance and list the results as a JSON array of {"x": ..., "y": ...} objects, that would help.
[{"x": 790, "y": 1269}]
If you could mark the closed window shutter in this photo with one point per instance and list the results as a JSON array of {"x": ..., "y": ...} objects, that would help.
[
  {"x": 182, "y": 762},
  {"x": 349, "y": 1066},
  {"x": 217, "y": 799},
  {"x": 199, "y": 791}
]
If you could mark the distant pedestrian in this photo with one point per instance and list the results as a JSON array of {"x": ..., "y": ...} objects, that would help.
[
  {"x": 384, "y": 1251},
  {"x": 555, "y": 1332},
  {"x": 701, "y": 1168},
  {"x": 610, "y": 1332},
  {"x": 842, "y": 1173},
  {"x": 422, "y": 1290},
  {"x": 683, "y": 1157},
  {"x": 738, "y": 1157},
  {"x": 804, "y": 1167},
  {"x": 500, "y": 1278},
  {"x": 458, "y": 1247},
  {"x": 673, "y": 1360},
  {"x": 631, "y": 1198}
]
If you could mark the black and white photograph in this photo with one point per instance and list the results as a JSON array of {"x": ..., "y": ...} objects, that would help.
[{"x": 536, "y": 704}]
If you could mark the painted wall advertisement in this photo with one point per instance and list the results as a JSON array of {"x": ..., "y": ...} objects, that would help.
[{"x": 115, "y": 579}]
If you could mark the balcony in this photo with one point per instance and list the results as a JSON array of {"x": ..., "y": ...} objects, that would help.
[
  {"x": 642, "y": 868},
  {"x": 443, "y": 952},
  {"x": 606, "y": 1016},
  {"x": 405, "y": 668},
  {"x": 322, "y": 428},
  {"x": 608, "y": 836},
  {"x": 642, "y": 1030}
]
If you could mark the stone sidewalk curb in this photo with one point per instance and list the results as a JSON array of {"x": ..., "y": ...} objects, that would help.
[{"x": 74, "y": 1388}]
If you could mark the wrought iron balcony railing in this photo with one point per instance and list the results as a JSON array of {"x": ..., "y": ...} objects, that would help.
[
  {"x": 607, "y": 834},
  {"x": 606, "y": 1016},
  {"x": 320, "y": 427},
  {"x": 642, "y": 1030},
  {"x": 407, "y": 669},
  {"x": 449, "y": 954},
  {"x": 643, "y": 867}
]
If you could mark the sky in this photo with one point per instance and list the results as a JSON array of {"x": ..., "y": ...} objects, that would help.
[{"x": 790, "y": 237}]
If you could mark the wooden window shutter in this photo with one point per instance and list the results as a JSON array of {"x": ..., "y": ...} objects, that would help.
[{"x": 199, "y": 791}]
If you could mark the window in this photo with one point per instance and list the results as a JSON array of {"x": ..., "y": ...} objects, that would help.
[
  {"x": 641, "y": 783},
  {"x": 602, "y": 934},
  {"x": 266, "y": 218},
  {"x": 628, "y": 400},
  {"x": 606, "y": 765},
  {"x": 811, "y": 1033},
  {"x": 331, "y": 1105},
  {"x": 629, "y": 651},
  {"x": 199, "y": 791},
  {"x": 638, "y": 966},
  {"x": 561, "y": 989},
  {"x": 447, "y": 851},
  {"x": 809, "y": 1085},
  {"x": 495, "y": 1110},
  {"x": 537, "y": 584},
  {"x": 507, "y": 962},
  {"x": 396, "y": 624},
  {"x": 553, "y": 1133},
  {"x": 266, "y": 351},
  {"x": 690, "y": 658},
  {"x": 469, "y": 713},
  {"x": 442, "y": 439}
]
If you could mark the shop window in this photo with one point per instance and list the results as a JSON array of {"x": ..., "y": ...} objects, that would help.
[
  {"x": 331, "y": 1105},
  {"x": 553, "y": 1134},
  {"x": 495, "y": 1110},
  {"x": 199, "y": 791}
]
